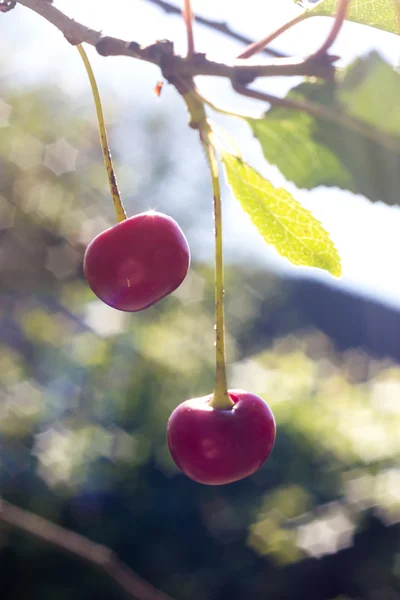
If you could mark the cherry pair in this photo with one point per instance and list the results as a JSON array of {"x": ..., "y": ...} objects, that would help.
[{"x": 130, "y": 267}]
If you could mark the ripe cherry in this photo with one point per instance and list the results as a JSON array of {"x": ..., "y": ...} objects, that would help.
[
  {"x": 217, "y": 446},
  {"x": 137, "y": 262}
]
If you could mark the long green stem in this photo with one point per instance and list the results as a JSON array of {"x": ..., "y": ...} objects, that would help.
[
  {"x": 116, "y": 197},
  {"x": 220, "y": 399},
  {"x": 198, "y": 120}
]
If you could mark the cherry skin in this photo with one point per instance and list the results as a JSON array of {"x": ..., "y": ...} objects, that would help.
[
  {"x": 215, "y": 446},
  {"x": 137, "y": 262}
]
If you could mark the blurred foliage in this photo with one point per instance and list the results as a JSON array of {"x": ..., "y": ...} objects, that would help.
[{"x": 85, "y": 394}]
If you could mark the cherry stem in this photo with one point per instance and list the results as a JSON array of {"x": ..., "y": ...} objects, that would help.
[
  {"x": 188, "y": 18},
  {"x": 116, "y": 196},
  {"x": 220, "y": 399}
]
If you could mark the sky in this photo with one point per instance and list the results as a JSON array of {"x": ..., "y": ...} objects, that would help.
[{"x": 352, "y": 221}]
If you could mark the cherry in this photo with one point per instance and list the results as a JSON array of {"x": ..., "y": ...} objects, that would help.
[
  {"x": 137, "y": 262},
  {"x": 216, "y": 446}
]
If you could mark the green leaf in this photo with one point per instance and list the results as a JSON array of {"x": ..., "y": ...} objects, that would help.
[
  {"x": 281, "y": 220},
  {"x": 356, "y": 146},
  {"x": 379, "y": 13},
  {"x": 286, "y": 139}
]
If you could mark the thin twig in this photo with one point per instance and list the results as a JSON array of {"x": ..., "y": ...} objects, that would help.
[
  {"x": 220, "y": 26},
  {"x": 340, "y": 16},
  {"x": 259, "y": 46},
  {"x": 321, "y": 112},
  {"x": 341, "y": 12},
  {"x": 80, "y": 547},
  {"x": 188, "y": 18}
]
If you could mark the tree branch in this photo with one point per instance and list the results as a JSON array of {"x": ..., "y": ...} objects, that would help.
[
  {"x": 80, "y": 547},
  {"x": 177, "y": 68},
  {"x": 220, "y": 26}
]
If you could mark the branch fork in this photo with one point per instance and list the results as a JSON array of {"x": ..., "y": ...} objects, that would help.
[{"x": 195, "y": 64}]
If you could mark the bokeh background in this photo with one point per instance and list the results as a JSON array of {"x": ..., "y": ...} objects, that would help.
[{"x": 86, "y": 391}]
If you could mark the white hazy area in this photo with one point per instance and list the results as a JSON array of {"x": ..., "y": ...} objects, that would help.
[{"x": 367, "y": 235}]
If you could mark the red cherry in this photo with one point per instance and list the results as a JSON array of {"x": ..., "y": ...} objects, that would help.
[
  {"x": 137, "y": 262},
  {"x": 215, "y": 446}
]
